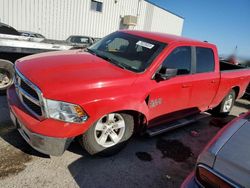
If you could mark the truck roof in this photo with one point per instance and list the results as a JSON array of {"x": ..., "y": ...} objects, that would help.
[{"x": 163, "y": 37}]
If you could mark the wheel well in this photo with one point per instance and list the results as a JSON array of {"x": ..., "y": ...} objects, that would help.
[
  {"x": 236, "y": 90},
  {"x": 140, "y": 119}
]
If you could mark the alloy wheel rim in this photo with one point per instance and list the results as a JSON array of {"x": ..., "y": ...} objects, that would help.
[
  {"x": 109, "y": 130},
  {"x": 228, "y": 104},
  {"x": 4, "y": 79}
]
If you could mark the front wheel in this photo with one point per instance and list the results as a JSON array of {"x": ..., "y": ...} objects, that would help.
[
  {"x": 226, "y": 105},
  {"x": 109, "y": 134}
]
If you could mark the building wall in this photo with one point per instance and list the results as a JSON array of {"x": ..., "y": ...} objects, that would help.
[
  {"x": 164, "y": 21},
  {"x": 57, "y": 19}
]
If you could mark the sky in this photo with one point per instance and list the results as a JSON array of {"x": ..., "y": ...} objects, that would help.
[{"x": 225, "y": 23}]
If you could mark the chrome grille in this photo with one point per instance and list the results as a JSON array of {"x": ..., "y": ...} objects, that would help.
[
  {"x": 29, "y": 90},
  {"x": 30, "y": 96}
]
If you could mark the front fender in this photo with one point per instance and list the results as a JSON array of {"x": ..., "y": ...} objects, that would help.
[{"x": 98, "y": 108}]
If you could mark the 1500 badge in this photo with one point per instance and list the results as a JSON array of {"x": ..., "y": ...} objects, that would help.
[{"x": 155, "y": 102}]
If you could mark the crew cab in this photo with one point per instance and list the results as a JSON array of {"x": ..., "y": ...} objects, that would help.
[{"x": 128, "y": 81}]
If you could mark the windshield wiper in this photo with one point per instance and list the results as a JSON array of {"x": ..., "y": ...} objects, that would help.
[
  {"x": 114, "y": 62},
  {"x": 99, "y": 55},
  {"x": 90, "y": 51},
  {"x": 120, "y": 65}
]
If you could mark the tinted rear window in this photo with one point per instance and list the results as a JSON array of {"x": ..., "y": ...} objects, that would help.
[{"x": 204, "y": 60}]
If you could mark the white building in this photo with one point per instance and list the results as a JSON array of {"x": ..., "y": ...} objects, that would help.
[{"x": 57, "y": 19}]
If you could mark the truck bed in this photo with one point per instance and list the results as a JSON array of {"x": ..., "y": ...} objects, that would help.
[
  {"x": 232, "y": 76},
  {"x": 225, "y": 66}
]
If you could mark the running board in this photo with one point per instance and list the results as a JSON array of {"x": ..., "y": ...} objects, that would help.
[{"x": 158, "y": 129}]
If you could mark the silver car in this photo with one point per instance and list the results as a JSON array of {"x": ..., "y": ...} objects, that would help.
[
  {"x": 31, "y": 34},
  {"x": 80, "y": 41},
  {"x": 225, "y": 161}
]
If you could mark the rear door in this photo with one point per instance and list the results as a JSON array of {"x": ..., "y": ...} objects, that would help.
[{"x": 205, "y": 79}]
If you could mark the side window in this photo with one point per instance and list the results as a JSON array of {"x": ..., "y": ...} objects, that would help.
[
  {"x": 179, "y": 59},
  {"x": 25, "y": 34},
  {"x": 84, "y": 40},
  {"x": 96, "y": 6},
  {"x": 204, "y": 60},
  {"x": 118, "y": 45}
]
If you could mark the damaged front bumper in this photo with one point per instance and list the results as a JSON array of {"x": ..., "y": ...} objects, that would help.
[
  {"x": 32, "y": 129},
  {"x": 44, "y": 144}
]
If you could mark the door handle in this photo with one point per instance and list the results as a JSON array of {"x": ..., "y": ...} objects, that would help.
[{"x": 186, "y": 85}]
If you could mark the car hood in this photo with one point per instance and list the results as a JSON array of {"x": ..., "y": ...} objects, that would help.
[
  {"x": 233, "y": 159},
  {"x": 60, "y": 74}
]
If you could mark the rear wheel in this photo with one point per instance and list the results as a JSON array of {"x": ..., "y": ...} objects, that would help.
[
  {"x": 226, "y": 105},
  {"x": 109, "y": 134}
]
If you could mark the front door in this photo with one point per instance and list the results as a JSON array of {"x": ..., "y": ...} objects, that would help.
[{"x": 169, "y": 99}]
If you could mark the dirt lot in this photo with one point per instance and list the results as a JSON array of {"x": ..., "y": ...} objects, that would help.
[{"x": 161, "y": 161}]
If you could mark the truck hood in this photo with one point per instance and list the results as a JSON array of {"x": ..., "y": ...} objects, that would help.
[
  {"x": 60, "y": 74},
  {"x": 233, "y": 159}
]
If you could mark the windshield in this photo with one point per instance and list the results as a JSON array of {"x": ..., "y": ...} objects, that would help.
[
  {"x": 80, "y": 40},
  {"x": 127, "y": 51}
]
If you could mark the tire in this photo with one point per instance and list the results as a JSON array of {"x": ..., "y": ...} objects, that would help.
[
  {"x": 6, "y": 75},
  {"x": 224, "y": 108},
  {"x": 100, "y": 138},
  {"x": 247, "y": 94}
]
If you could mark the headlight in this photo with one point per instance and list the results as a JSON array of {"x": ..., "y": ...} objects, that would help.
[{"x": 65, "y": 111}]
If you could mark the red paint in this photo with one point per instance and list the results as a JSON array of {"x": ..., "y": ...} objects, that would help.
[{"x": 100, "y": 87}]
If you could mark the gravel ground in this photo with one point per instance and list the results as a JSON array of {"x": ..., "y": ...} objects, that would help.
[{"x": 161, "y": 161}]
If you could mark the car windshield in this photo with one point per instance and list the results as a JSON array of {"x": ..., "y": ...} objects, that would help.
[
  {"x": 39, "y": 35},
  {"x": 127, "y": 51},
  {"x": 79, "y": 39}
]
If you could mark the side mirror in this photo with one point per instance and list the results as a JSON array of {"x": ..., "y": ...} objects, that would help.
[{"x": 165, "y": 74}]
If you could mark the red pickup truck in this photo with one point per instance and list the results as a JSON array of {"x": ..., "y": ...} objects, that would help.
[{"x": 128, "y": 81}]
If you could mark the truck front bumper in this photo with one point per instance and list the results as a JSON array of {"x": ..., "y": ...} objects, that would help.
[
  {"x": 48, "y": 136},
  {"x": 44, "y": 144}
]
